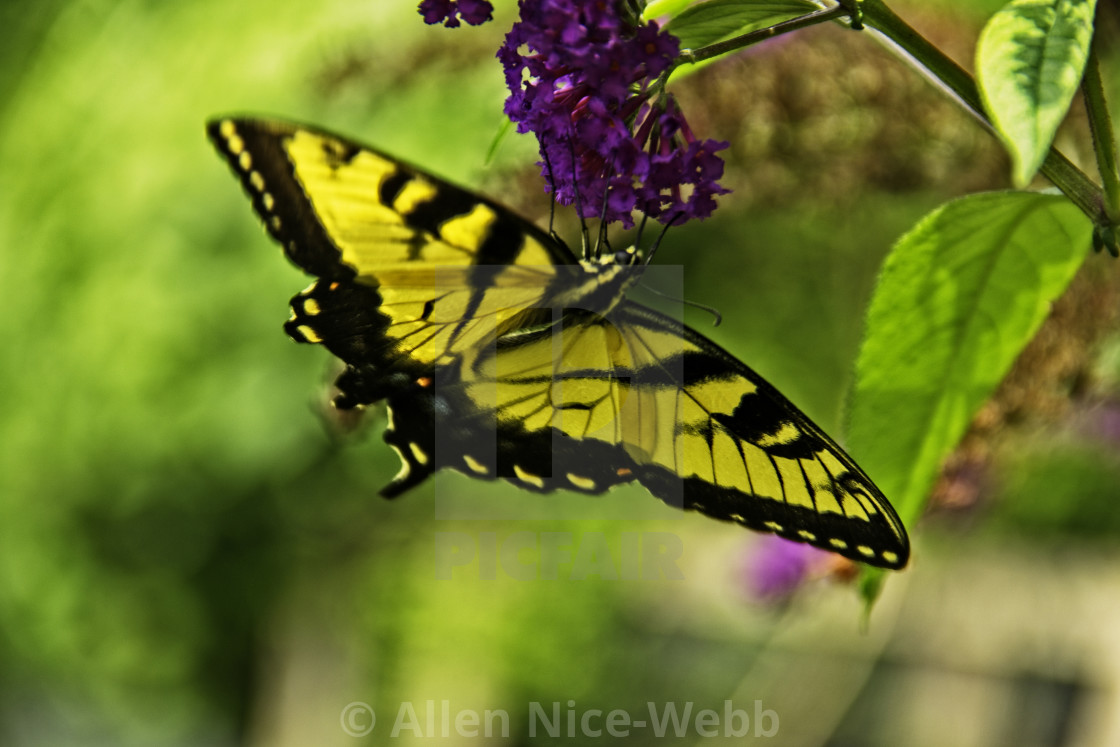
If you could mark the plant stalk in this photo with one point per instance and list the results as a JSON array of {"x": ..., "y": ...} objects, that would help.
[
  {"x": 1057, "y": 168},
  {"x": 1100, "y": 124}
]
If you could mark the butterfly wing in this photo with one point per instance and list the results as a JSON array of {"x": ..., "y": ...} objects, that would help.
[
  {"x": 439, "y": 301},
  {"x": 740, "y": 451},
  {"x": 595, "y": 401},
  {"x": 413, "y": 271}
]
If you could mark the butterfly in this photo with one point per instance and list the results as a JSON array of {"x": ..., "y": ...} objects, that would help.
[{"x": 501, "y": 355}]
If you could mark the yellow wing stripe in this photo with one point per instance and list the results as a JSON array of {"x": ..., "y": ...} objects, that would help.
[
  {"x": 465, "y": 230},
  {"x": 345, "y": 188},
  {"x": 415, "y": 192},
  {"x": 762, "y": 476}
]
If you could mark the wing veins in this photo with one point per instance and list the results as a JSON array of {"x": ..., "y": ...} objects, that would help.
[
  {"x": 676, "y": 400},
  {"x": 809, "y": 488},
  {"x": 836, "y": 489}
]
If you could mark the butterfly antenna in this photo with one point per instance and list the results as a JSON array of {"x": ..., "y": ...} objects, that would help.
[
  {"x": 641, "y": 230},
  {"x": 657, "y": 243},
  {"x": 717, "y": 318}
]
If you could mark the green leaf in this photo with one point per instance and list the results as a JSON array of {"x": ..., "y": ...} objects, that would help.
[
  {"x": 716, "y": 20},
  {"x": 659, "y": 8},
  {"x": 1029, "y": 62},
  {"x": 959, "y": 297}
]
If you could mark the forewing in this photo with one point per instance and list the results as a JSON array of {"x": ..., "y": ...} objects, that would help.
[{"x": 413, "y": 270}]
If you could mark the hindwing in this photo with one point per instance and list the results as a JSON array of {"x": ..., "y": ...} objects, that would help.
[{"x": 596, "y": 401}]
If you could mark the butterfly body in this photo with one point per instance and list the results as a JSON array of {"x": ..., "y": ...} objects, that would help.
[{"x": 500, "y": 355}]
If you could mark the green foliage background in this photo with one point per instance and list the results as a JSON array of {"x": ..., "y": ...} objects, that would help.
[{"x": 188, "y": 556}]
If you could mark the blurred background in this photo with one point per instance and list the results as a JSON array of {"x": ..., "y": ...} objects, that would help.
[{"x": 192, "y": 554}]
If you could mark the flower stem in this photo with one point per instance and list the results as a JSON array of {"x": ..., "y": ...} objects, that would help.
[
  {"x": 1100, "y": 123},
  {"x": 945, "y": 72},
  {"x": 690, "y": 56}
]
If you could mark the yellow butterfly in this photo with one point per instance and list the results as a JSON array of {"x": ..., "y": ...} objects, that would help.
[{"x": 501, "y": 355}]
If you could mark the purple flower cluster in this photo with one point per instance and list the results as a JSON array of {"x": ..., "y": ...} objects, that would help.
[
  {"x": 777, "y": 567},
  {"x": 580, "y": 78},
  {"x": 447, "y": 12}
]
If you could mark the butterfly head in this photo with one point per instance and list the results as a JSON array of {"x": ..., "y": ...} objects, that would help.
[{"x": 627, "y": 257}]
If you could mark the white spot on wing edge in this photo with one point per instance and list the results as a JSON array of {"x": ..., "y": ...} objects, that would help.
[
  {"x": 308, "y": 333},
  {"x": 406, "y": 468},
  {"x": 585, "y": 483},
  {"x": 234, "y": 144},
  {"x": 475, "y": 465},
  {"x": 528, "y": 477}
]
